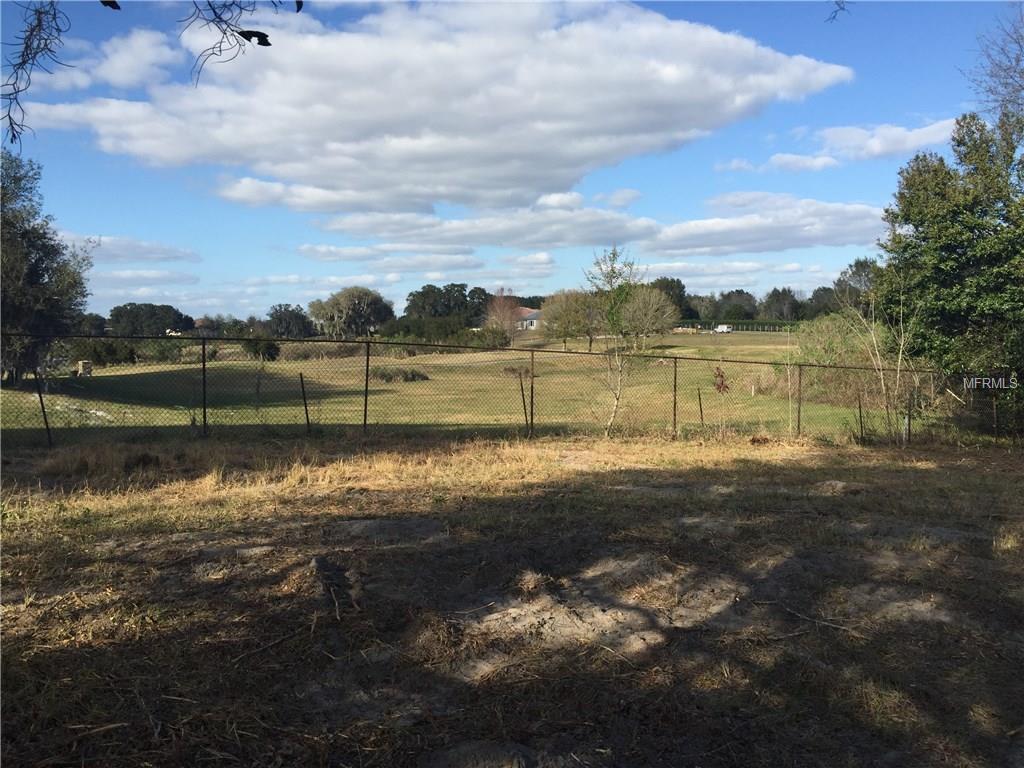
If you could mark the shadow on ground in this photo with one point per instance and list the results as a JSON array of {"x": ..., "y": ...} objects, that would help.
[{"x": 747, "y": 615}]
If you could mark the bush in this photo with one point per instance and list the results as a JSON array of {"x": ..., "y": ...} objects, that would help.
[
  {"x": 261, "y": 349},
  {"x": 389, "y": 375}
]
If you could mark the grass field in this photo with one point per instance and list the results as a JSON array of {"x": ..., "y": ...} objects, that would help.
[
  {"x": 554, "y": 602},
  {"x": 468, "y": 390}
]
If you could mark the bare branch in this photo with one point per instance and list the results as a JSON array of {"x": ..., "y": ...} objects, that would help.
[
  {"x": 999, "y": 78},
  {"x": 37, "y": 47}
]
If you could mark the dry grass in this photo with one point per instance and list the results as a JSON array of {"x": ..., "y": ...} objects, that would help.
[{"x": 598, "y": 603}]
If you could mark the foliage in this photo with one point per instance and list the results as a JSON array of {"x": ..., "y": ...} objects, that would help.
[
  {"x": 42, "y": 278},
  {"x": 92, "y": 324},
  {"x": 389, "y": 375},
  {"x": 287, "y": 321},
  {"x": 736, "y": 305},
  {"x": 955, "y": 249},
  {"x": 261, "y": 349},
  {"x": 148, "y": 320},
  {"x": 675, "y": 290},
  {"x": 648, "y": 312},
  {"x": 351, "y": 312},
  {"x": 779, "y": 304},
  {"x": 503, "y": 314}
]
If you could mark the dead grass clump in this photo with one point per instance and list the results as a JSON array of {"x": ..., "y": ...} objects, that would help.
[
  {"x": 529, "y": 582},
  {"x": 1009, "y": 540}
]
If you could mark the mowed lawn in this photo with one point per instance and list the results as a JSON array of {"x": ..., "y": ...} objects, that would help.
[
  {"x": 552, "y": 602},
  {"x": 464, "y": 390}
]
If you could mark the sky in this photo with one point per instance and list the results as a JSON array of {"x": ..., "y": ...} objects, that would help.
[{"x": 731, "y": 145}]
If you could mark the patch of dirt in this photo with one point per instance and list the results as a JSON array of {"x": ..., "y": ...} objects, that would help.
[
  {"x": 887, "y": 603},
  {"x": 837, "y": 488}
]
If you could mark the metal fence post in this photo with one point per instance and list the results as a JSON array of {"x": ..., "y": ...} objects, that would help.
[
  {"x": 675, "y": 390},
  {"x": 860, "y": 417},
  {"x": 532, "y": 376},
  {"x": 205, "y": 432},
  {"x": 42, "y": 407},
  {"x": 366, "y": 387},
  {"x": 700, "y": 405},
  {"x": 910, "y": 407},
  {"x": 799, "y": 396},
  {"x": 305, "y": 404}
]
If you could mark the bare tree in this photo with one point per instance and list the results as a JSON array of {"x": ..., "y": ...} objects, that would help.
[
  {"x": 503, "y": 313},
  {"x": 648, "y": 312},
  {"x": 999, "y": 78},
  {"x": 44, "y": 26}
]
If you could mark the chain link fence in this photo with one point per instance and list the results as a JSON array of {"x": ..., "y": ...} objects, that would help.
[{"x": 144, "y": 388}]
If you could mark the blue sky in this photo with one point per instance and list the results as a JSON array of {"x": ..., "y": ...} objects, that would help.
[{"x": 745, "y": 145}]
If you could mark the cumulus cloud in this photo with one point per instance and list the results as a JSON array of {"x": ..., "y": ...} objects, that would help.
[
  {"x": 526, "y": 228},
  {"x": 476, "y": 104},
  {"x": 560, "y": 200},
  {"x": 882, "y": 140},
  {"x": 330, "y": 280},
  {"x": 736, "y": 164},
  {"x": 761, "y": 222},
  {"x": 140, "y": 58},
  {"x": 104, "y": 248}
]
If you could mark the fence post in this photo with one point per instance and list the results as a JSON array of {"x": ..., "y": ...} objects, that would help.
[
  {"x": 42, "y": 407},
  {"x": 799, "y": 396},
  {"x": 995, "y": 415},
  {"x": 860, "y": 417},
  {"x": 532, "y": 376},
  {"x": 305, "y": 405},
  {"x": 700, "y": 405},
  {"x": 205, "y": 432},
  {"x": 366, "y": 387},
  {"x": 909, "y": 407},
  {"x": 522, "y": 393},
  {"x": 675, "y": 390}
]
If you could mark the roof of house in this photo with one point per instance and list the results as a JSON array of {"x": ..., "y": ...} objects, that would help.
[{"x": 526, "y": 313}]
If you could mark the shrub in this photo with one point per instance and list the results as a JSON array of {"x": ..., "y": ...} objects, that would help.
[
  {"x": 261, "y": 349},
  {"x": 389, "y": 375}
]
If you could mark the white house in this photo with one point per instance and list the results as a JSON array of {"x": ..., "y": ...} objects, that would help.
[{"x": 529, "y": 319}]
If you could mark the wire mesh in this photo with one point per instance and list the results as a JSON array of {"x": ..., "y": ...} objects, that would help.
[{"x": 146, "y": 388}]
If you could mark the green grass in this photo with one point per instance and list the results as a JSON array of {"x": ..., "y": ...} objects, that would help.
[{"x": 473, "y": 390}]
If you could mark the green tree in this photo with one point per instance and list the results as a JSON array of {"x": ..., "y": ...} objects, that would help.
[
  {"x": 674, "y": 288},
  {"x": 42, "y": 278},
  {"x": 853, "y": 286},
  {"x": 133, "y": 319},
  {"x": 736, "y": 305},
  {"x": 354, "y": 311},
  {"x": 822, "y": 302},
  {"x": 289, "y": 321},
  {"x": 93, "y": 324},
  {"x": 779, "y": 304},
  {"x": 955, "y": 249}
]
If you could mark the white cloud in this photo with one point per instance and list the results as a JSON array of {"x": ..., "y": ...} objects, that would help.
[
  {"x": 736, "y": 164},
  {"x": 139, "y": 58},
  {"x": 105, "y": 248},
  {"x": 482, "y": 105},
  {"x": 786, "y": 162},
  {"x": 375, "y": 253},
  {"x": 560, "y": 200},
  {"x": 540, "y": 264},
  {"x": 294, "y": 279},
  {"x": 143, "y": 277},
  {"x": 620, "y": 198},
  {"x": 526, "y": 228},
  {"x": 761, "y": 222},
  {"x": 863, "y": 143}
]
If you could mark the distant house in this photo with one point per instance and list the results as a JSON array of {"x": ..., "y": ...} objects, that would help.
[{"x": 528, "y": 319}]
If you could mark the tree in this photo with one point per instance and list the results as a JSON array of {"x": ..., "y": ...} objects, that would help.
[
  {"x": 428, "y": 301},
  {"x": 853, "y": 286},
  {"x": 133, "y": 319},
  {"x": 675, "y": 290},
  {"x": 736, "y": 305},
  {"x": 999, "y": 79},
  {"x": 648, "y": 312},
  {"x": 706, "y": 307},
  {"x": 92, "y": 324},
  {"x": 779, "y": 304},
  {"x": 289, "y": 321},
  {"x": 42, "y": 278},
  {"x": 503, "y": 314},
  {"x": 354, "y": 311},
  {"x": 822, "y": 302},
  {"x": 955, "y": 249},
  {"x": 477, "y": 300},
  {"x": 614, "y": 278}
]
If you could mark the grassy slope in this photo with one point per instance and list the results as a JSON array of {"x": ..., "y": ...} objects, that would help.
[
  {"x": 772, "y": 604},
  {"x": 466, "y": 389}
]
